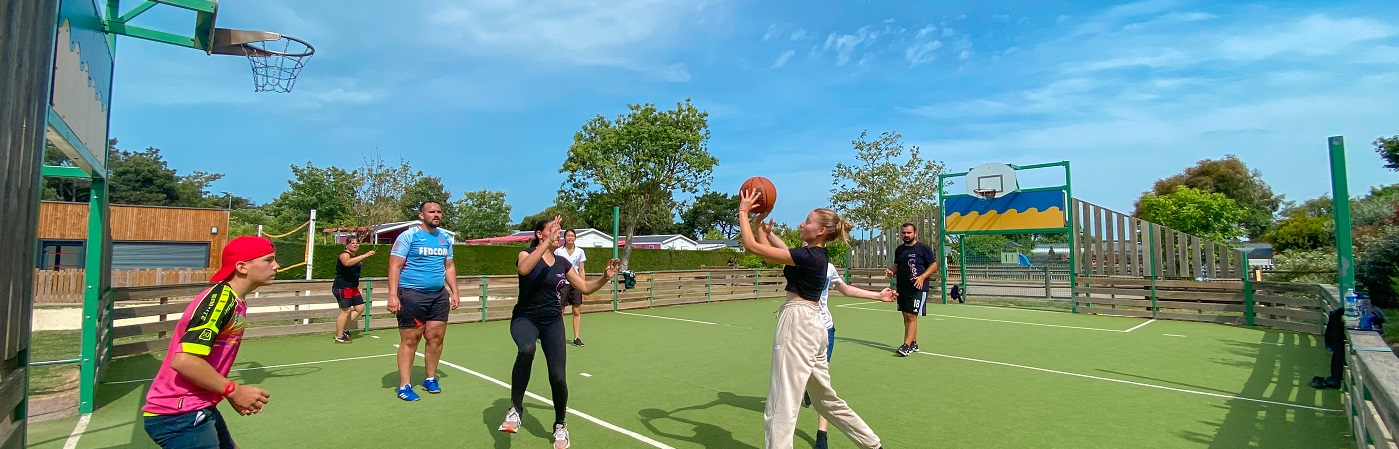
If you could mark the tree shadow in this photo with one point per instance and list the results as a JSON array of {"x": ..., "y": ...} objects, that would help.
[
  {"x": 492, "y": 416},
  {"x": 705, "y": 434}
]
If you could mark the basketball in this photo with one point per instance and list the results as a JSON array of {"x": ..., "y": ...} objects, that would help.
[{"x": 767, "y": 193}]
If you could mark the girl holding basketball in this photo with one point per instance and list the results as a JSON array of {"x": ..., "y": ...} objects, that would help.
[
  {"x": 799, "y": 362},
  {"x": 538, "y": 316}
]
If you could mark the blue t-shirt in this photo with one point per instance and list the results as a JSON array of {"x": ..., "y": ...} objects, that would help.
[{"x": 426, "y": 254}]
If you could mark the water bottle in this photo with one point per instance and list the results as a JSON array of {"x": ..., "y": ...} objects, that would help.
[
  {"x": 1352, "y": 305},
  {"x": 1366, "y": 322}
]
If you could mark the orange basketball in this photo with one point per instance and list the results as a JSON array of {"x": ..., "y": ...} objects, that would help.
[{"x": 767, "y": 193}]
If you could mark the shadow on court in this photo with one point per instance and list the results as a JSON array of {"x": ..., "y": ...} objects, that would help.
[
  {"x": 390, "y": 379},
  {"x": 705, "y": 434},
  {"x": 530, "y": 425}
]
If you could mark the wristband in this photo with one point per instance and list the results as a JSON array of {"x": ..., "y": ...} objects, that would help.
[{"x": 228, "y": 389}]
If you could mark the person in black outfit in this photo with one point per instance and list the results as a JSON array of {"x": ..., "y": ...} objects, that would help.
[
  {"x": 914, "y": 262},
  {"x": 538, "y": 316},
  {"x": 345, "y": 288}
]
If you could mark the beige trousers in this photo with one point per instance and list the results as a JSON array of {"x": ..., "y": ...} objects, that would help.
[{"x": 799, "y": 365}]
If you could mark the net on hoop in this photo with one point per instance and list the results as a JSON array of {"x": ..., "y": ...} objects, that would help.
[
  {"x": 276, "y": 63},
  {"x": 984, "y": 193}
]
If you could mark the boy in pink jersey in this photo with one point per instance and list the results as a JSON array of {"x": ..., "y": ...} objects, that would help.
[{"x": 181, "y": 407}]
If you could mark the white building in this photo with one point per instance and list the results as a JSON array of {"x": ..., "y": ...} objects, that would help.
[
  {"x": 668, "y": 241},
  {"x": 587, "y": 238}
]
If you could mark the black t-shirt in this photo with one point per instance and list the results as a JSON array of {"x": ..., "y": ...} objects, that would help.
[
  {"x": 808, "y": 277},
  {"x": 346, "y": 276},
  {"x": 541, "y": 288},
  {"x": 913, "y": 261}
]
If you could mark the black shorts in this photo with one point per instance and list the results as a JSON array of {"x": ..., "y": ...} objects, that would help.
[
  {"x": 347, "y": 297},
  {"x": 417, "y": 307},
  {"x": 571, "y": 296},
  {"x": 913, "y": 301}
]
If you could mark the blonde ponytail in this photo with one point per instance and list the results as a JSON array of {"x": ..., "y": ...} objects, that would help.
[{"x": 839, "y": 227}]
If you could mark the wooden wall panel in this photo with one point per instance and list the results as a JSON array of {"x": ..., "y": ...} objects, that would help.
[{"x": 68, "y": 221}]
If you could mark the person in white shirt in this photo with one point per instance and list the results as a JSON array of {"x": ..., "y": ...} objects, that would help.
[{"x": 572, "y": 296}]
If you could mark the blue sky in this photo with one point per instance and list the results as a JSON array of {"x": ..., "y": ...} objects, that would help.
[{"x": 487, "y": 94}]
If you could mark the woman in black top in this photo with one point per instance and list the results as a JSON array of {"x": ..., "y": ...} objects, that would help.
[
  {"x": 345, "y": 288},
  {"x": 538, "y": 316},
  {"x": 799, "y": 349}
]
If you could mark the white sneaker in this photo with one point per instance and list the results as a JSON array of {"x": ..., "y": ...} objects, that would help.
[
  {"x": 560, "y": 436},
  {"x": 512, "y": 421}
]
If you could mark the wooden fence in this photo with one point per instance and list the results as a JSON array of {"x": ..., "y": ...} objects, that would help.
[
  {"x": 1295, "y": 307},
  {"x": 1111, "y": 243},
  {"x": 144, "y": 316},
  {"x": 66, "y": 286}
]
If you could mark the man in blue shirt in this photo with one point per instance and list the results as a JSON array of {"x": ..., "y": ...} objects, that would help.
[{"x": 422, "y": 290}]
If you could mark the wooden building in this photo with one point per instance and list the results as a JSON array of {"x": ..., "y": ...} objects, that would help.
[{"x": 142, "y": 236}]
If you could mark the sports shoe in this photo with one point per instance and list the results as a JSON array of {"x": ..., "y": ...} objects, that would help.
[
  {"x": 578, "y": 342},
  {"x": 820, "y": 440},
  {"x": 430, "y": 385},
  {"x": 342, "y": 340},
  {"x": 560, "y": 436},
  {"x": 345, "y": 335},
  {"x": 903, "y": 351},
  {"x": 406, "y": 393},
  {"x": 914, "y": 347},
  {"x": 512, "y": 421},
  {"x": 806, "y": 399}
]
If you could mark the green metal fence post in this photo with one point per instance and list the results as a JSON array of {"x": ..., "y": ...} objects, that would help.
[
  {"x": 485, "y": 283},
  {"x": 757, "y": 278},
  {"x": 1248, "y": 300},
  {"x": 709, "y": 286},
  {"x": 1340, "y": 207},
  {"x": 651, "y": 290},
  {"x": 368, "y": 302},
  {"x": 962, "y": 260},
  {"x": 92, "y": 293}
]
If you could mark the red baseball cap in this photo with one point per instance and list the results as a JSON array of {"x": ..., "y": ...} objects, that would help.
[{"x": 241, "y": 249}]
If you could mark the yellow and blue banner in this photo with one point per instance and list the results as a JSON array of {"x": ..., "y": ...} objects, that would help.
[{"x": 1042, "y": 209}]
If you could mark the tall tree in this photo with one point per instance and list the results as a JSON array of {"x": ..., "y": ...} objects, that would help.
[
  {"x": 712, "y": 211},
  {"x": 428, "y": 188},
  {"x": 640, "y": 160},
  {"x": 1232, "y": 178},
  {"x": 1299, "y": 232},
  {"x": 885, "y": 189},
  {"x": 572, "y": 217},
  {"x": 378, "y": 192},
  {"x": 1194, "y": 211},
  {"x": 1388, "y": 148},
  {"x": 330, "y": 191},
  {"x": 481, "y": 214}
]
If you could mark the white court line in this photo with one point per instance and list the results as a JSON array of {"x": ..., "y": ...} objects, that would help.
[
  {"x": 1139, "y": 326},
  {"x": 1128, "y": 382},
  {"x": 1173, "y": 335},
  {"x": 997, "y": 321},
  {"x": 637, "y": 436},
  {"x": 685, "y": 320},
  {"x": 265, "y": 367},
  {"x": 72, "y": 442}
]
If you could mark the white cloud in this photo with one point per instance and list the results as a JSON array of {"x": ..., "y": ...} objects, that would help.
[
  {"x": 633, "y": 34},
  {"x": 845, "y": 44},
  {"x": 799, "y": 34},
  {"x": 783, "y": 58},
  {"x": 922, "y": 53}
]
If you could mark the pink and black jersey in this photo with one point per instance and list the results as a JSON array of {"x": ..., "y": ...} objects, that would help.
[{"x": 212, "y": 328}]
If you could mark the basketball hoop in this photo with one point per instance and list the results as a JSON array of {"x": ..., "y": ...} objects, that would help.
[
  {"x": 984, "y": 194},
  {"x": 275, "y": 59}
]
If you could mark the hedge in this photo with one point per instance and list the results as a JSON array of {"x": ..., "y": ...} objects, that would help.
[{"x": 498, "y": 260}]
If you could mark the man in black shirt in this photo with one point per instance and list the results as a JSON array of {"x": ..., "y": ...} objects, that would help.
[{"x": 914, "y": 262}]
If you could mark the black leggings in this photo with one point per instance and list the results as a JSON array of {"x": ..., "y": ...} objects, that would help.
[{"x": 526, "y": 331}]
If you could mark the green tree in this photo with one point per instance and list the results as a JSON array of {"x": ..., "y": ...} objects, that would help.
[
  {"x": 482, "y": 214},
  {"x": 640, "y": 160},
  {"x": 572, "y": 218},
  {"x": 712, "y": 211},
  {"x": 1232, "y": 178},
  {"x": 1316, "y": 266},
  {"x": 377, "y": 196},
  {"x": 429, "y": 188},
  {"x": 1193, "y": 211},
  {"x": 330, "y": 191},
  {"x": 885, "y": 189},
  {"x": 1377, "y": 263},
  {"x": 1388, "y": 148},
  {"x": 1299, "y": 232}
]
